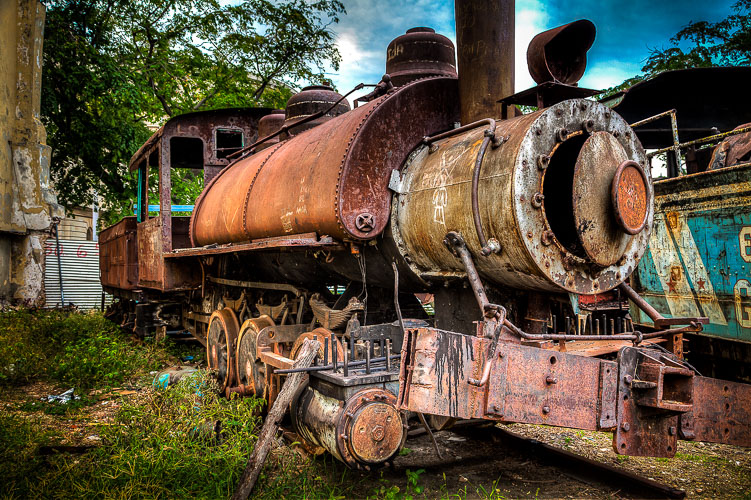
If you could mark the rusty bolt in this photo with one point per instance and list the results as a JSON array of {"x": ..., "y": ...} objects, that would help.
[
  {"x": 625, "y": 426},
  {"x": 538, "y": 131},
  {"x": 671, "y": 430},
  {"x": 561, "y": 135},
  {"x": 568, "y": 263},
  {"x": 537, "y": 200},
  {"x": 529, "y": 234},
  {"x": 524, "y": 163},
  {"x": 616, "y": 134},
  {"x": 547, "y": 238},
  {"x": 365, "y": 222},
  {"x": 628, "y": 379},
  {"x": 551, "y": 380},
  {"x": 433, "y": 148},
  {"x": 543, "y": 161},
  {"x": 588, "y": 126},
  {"x": 496, "y": 408},
  {"x": 378, "y": 433},
  {"x": 546, "y": 409}
]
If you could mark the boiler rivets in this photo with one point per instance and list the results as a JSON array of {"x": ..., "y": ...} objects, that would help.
[
  {"x": 537, "y": 199},
  {"x": 561, "y": 135},
  {"x": 625, "y": 426},
  {"x": 543, "y": 161},
  {"x": 547, "y": 238},
  {"x": 546, "y": 409},
  {"x": 588, "y": 126}
]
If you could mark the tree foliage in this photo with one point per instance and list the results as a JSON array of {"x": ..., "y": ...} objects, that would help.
[
  {"x": 701, "y": 44},
  {"x": 705, "y": 44},
  {"x": 113, "y": 66}
]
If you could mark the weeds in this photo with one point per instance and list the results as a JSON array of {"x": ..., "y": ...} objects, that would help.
[{"x": 82, "y": 350}]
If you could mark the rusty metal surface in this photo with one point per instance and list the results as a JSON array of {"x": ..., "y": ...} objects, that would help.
[
  {"x": 733, "y": 150},
  {"x": 221, "y": 345},
  {"x": 309, "y": 101},
  {"x": 371, "y": 429},
  {"x": 203, "y": 125},
  {"x": 560, "y": 54},
  {"x": 323, "y": 179},
  {"x": 292, "y": 242},
  {"x": 721, "y": 413},
  {"x": 419, "y": 53},
  {"x": 118, "y": 255},
  {"x": 631, "y": 197},
  {"x": 364, "y": 430},
  {"x": 250, "y": 371},
  {"x": 526, "y": 384},
  {"x": 595, "y": 219},
  {"x": 485, "y": 56},
  {"x": 269, "y": 125},
  {"x": 652, "y": 392},
  {"x": 521, "y": 201}
]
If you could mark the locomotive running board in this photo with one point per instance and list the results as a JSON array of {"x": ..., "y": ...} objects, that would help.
[{"x": 648, "y": 400}]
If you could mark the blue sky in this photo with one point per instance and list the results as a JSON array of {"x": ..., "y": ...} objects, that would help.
[{"x": 626, "y": 31}]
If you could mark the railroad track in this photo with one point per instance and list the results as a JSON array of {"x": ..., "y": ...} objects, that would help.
[{"x": 514, "y": 451}]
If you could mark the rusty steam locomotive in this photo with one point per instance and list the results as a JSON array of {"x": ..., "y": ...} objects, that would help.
[{"x": 429, "y": 185}]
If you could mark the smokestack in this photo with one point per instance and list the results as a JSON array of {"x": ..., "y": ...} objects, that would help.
[{"x": 485, "y": 48}]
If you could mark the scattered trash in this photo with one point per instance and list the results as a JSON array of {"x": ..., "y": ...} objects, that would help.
[
  {"x": 457, "y": 438},
  {"x": 187, "y": 358},
  {"x": 463, "y": 479},
  {"x": 63, "y": 398},
  {"x": 170, "y": 376},
  {"x": 93, "y": 438}
]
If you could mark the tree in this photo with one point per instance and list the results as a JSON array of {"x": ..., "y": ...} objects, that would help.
[
  {"x": 112, "y": 66},
  {"x": 725, "y": 43},
  {"x": 701, "y": 44}
]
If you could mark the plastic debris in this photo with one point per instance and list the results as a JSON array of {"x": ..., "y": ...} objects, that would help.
[
  {"x": 170, "y": 376},
  {"x": 63, "y": 398}
]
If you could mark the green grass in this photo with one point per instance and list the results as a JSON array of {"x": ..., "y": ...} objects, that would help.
[
  {"x": 164, "y": 446},
  {"x": 81, "y": 350}
]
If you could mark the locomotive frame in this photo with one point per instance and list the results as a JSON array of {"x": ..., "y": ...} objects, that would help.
[{"x": 252, "y": 273}]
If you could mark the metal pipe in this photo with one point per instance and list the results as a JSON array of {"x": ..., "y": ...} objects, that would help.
[
  {"x": 703, "y": 140},
  {"x": 642, "y": 304}
]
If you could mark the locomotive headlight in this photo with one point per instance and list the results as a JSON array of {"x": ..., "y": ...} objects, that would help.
[{"x": 566, "y": 195}]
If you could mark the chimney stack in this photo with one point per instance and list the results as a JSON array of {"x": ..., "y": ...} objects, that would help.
[{"x": 485, "y": 49}]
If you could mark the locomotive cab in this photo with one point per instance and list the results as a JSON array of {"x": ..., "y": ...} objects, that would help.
[{"x": 192, "y": 148}]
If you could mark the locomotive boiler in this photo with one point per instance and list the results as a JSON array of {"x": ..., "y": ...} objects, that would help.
[{"x": 329, "y": 222}]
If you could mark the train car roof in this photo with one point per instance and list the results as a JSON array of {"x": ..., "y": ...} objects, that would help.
[
  {"x": 204, "y": 121},
  {"x": 706, "y": 100}
]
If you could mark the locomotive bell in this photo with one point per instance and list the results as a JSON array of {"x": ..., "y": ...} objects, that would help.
[
  {"x": 419, "y": 53},
  {"x": 310, "y": 100}
]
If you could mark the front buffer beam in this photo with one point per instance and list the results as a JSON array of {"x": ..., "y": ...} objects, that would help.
[{"x": 648, "y": 399}]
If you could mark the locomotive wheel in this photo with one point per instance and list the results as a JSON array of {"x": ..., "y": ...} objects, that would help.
[
  {"x": 221, "y": 342},
  {"x": 320, "y": 333},
  {"x": 251, "y": 372}
]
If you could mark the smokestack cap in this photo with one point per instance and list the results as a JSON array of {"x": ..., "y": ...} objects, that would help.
[
  {"x": 560, "y": 54},
  {"x": 420, "y": 53}
]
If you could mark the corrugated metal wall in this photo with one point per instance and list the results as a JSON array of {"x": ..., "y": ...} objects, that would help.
[{"x": 80, "y": 268}]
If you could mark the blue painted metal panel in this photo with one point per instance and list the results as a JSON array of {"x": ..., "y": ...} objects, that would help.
[
  {"x": 175, "y": 208},
  {"x": 699, "y": 257}
]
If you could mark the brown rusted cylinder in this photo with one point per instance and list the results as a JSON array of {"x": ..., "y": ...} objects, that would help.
[
  {"x": 364, "y": 430},
  {"x": 419, "y": 53},
  {"x": 311, "y": 100},
  {"x": 544, "y": 196},
  {"x": 485, "y": 49},
  {"x": 268, "y": 125},
  {"x": 560, "y": 54},
  {"x": 331, "y": 180}
]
